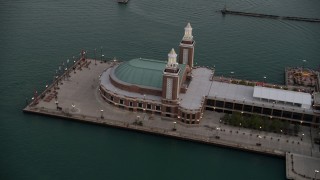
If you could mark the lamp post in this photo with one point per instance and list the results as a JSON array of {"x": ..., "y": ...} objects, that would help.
[
  {"x": 217, "y": 135},
  {"x": 174, "y": 126},
  {"x": 259, "y": 144},
  {"x": 302, "y": 136},
  {"x": 315, "y": 173},
  {"x": 231, "y": 74},
  {"x": 57, "y": 103},
  {"x": 264, "y": 79},
  {"x": 101, "y": 113},
  {"x": 73, "y": 107}
]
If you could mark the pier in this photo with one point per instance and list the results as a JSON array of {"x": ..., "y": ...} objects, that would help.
[
  {"x": 77, "y": 98},
  {"x": 225, "y": 11}
]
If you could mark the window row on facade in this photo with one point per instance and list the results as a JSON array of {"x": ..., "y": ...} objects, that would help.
[
  {"x": 131, "y": 104},
  {"x": 227, "y": 106}
]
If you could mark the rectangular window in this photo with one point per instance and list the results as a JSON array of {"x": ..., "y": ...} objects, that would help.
[
  {"x": 158, "y": 108},
  {"x": 130, "y": 104},
  {"x": 111, "y": 98},
  {"x": 276, "y": 113},
  {"x": 286, "y": 114},
  {"x": 185, "y": 56},
  {"x": 148, "y": 106},
  {"x": 266, "y": 111},
  {"x": 238, "y": 106},
  {"x": 228, "y": 105},
  {"x": 121, "y": 101},
  {"x": 257, "y": 109},
  {"x": 140, "y": 104},
  {"x": 193, "y": 116}
]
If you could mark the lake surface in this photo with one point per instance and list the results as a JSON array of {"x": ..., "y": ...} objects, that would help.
[{"x": 37, "y": 36}]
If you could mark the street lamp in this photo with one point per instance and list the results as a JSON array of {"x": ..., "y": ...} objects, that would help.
[
  {"x": 73, "y": 107},
  {"x": 231, "y": 74},
  {"x": 101, "y": 113},
  {"x": 65, "y": 74},
  {"x": 57, "y": 103},
  {"x": 174, "y": 125},
  {"x": 264, "y": 79},
  {"x": 302, "y": 136},
  {"x": 315, "y": 173},
  {"x": 259, "y": 144},
  {"x": 217, "y": 135}
]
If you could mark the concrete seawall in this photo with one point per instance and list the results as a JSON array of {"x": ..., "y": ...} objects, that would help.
[{"x": 158, "y": 131}]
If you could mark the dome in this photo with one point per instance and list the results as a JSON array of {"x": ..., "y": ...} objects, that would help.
[{"x": 143, "y": 72}]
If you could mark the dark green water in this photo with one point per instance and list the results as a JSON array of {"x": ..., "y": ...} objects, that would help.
[{"x": 36, "y": 36}]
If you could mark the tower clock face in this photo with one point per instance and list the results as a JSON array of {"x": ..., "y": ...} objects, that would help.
[{"x": 169, "y": 88}]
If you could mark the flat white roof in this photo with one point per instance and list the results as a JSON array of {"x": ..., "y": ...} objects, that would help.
[
  {"x": 231, "y": 91},
  {"x": 282, "y": 95},
  {"x": 197, "y": 90},
  {"x": 245, "y": 94}
]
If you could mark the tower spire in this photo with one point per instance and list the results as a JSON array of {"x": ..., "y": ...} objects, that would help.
[
  {"x": 172, "y": 59},
  {"x": 187, "y": 33}
]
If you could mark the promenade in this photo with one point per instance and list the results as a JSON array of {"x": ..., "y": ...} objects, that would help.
[{"x": 76, "y": 97}]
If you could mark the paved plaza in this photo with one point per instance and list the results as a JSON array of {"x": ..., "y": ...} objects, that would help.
[{"x": 78, "y": 98}]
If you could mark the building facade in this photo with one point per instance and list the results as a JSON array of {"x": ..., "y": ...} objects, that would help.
[{"x": 176, "y": 89}]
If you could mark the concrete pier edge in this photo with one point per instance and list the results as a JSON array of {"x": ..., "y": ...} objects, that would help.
[{"x": 172, "y": 134}]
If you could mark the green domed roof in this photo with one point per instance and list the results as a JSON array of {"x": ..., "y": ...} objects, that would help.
[{"x": 144, "y": 72}]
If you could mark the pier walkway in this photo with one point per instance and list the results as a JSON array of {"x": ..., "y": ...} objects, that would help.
[
  {"x": 225, "y": 11},
  {"x": 78, "y": 99}
]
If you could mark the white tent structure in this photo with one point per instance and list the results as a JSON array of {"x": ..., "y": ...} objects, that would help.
[{"x": 300, "y": 99}]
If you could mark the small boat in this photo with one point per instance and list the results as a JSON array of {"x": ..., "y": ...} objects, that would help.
[{"x": 122, "y": 1}]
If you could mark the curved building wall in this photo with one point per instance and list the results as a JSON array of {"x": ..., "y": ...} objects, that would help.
[{"x": 134, "y": 88}]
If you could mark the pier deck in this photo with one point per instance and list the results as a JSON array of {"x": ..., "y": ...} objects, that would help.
[
  {"x": 79, "y": 100},
  {"x": 301, "y": 167}
]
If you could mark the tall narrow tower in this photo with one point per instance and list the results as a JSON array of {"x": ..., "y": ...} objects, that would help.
[
  {"x": 170, "y": 85},
  {"x": 186, "y": 52}
]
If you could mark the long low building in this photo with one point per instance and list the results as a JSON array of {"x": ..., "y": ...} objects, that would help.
[
  {"x": 177, "y": 90},
  {"x": 273, "y": 103}
]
